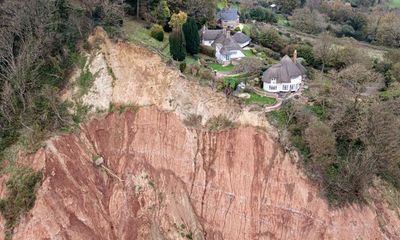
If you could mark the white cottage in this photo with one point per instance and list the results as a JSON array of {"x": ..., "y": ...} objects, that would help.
[
  {"x": 285, "y": 76},
  {"x": 227, "y": 49}
]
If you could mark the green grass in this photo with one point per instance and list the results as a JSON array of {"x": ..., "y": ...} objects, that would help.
[
  {"x": 136, "y": 32},
  {"x": 190, "y": 60},
  {"x": 394, "y": 4},
  {"x": 248, "y": 53},
  {"x": 220, "y": 5},
  {"x": 257, "y": 99},
  {"x": 282, "y": 20},
  {"x": 85, "y": 81},
  {"x": 316, "y": 110},
  {"x": 393, "y": 92},
  {"x": 220, "y": 68},
  {"x": 278, "y": 117},
  {"x": 246, "y": 29}
]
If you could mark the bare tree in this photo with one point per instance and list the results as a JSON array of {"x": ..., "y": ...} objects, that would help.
[{"x": 323, "y": 48}]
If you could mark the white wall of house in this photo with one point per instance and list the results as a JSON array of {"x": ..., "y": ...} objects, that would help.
[
  {"x": 207, "y": 43},
  {"x": 227, "y": 58},
  {"x": 236, "y": 54},
  {"x": 293, "y": 86},
  {"x": 232, "y": 24},
  {"x": 244, "y": 44}
]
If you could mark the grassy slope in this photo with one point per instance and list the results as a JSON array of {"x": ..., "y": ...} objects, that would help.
[
  {"x": 136, "y": 32},
  {"x": 394, "y": 4},
  {"x": 220, "y": 68}
]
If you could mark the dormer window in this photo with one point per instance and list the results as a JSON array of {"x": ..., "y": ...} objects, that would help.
[{"x": 273, "y": 80}]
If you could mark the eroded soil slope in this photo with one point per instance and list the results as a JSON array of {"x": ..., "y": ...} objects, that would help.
[
  {"x": 127, "y": 74},
  {"x": 182, "y": 183}
]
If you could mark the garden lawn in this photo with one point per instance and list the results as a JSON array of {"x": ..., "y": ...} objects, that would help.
[
  {"x": 220, "y": 68},
  {"x": 248, "y": 53},
  {"x": 394, "y": 4},
  {"x": 255, "y": 98}
]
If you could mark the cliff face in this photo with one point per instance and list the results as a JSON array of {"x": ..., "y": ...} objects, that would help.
[{"x": 174, "y": 182}]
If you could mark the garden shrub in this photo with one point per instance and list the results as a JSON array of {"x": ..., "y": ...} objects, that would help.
[
  {"x": 182, "y": 67},
  {"x": 157, "y": 32},
  {"x": 207, "y": 50}
]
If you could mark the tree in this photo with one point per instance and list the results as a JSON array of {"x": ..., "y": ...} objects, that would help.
[
  {"x": 355, "y": 78},
  {"x": 251, "y": 66},
  {"x": 162, "y": 11},
  {"x": 287, "y": 6},
  {"x": 342, "y": 57},
  {"x": 225, "y": 3},
  {"x": 307, "y": 52},
  {"x": 177, "y": 45},
  {"x": 322, "y": 144},
  {"x": 192, "y": 37},
  {"x": 177, "y": 20},
  {"x": 268, "y": 37},
  {"x": 323, "y": 49},
  {"x": 313, "y": 4},
  {"x": 388, "y": 31},
  {"x": 308, "y": 21},
  {"x": 203, "y": 11},
  {"x": 157, "y": 32},
  {"x": 382, "y": 138},
  {"x": 262, "y": 14}
]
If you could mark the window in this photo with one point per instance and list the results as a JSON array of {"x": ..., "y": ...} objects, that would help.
[
  {"x": 272, "y": 87},
  {"x": 292, "y": 86},
  {"x": 285, "y": 87}
]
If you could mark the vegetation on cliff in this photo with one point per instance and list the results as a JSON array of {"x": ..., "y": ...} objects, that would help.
[{"x": 21, "y": 195}]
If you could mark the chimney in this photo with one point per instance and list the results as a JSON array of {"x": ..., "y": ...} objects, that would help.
[
  {"x": 295, "y": 56},
  {"x": 227, "y": 33}
]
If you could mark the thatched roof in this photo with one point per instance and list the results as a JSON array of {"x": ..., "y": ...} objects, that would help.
[{"x": 284, "y": 71}]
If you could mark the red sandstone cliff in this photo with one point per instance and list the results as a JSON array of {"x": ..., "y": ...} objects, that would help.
[{"x": 179, "y": 183}]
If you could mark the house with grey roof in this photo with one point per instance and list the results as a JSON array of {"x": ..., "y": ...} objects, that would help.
[
  {"x": 228, "y": 18},
  {"x": 208, "y": 36},
  {"x": 242, "y": 39},
  {"x": 285, "y": 76},
  {"x": 227, "y": 49}
]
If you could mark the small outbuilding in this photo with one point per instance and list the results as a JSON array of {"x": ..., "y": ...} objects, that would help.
[
  {"x": 228, "y": 18},
  {"x": 285, "y": 76}
]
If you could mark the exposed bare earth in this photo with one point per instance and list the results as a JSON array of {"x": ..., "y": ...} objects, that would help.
[
  {"x": 180, "y": 182},
  {"x": 235, "y": 184}
]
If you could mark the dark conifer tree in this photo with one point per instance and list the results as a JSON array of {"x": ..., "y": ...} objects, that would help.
[
  {"x": 177, "y": 45},
  {"x": 192, "y": 37}
]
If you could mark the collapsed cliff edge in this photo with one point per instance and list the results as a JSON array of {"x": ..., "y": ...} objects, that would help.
[{"x": 144, "y": 174}]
